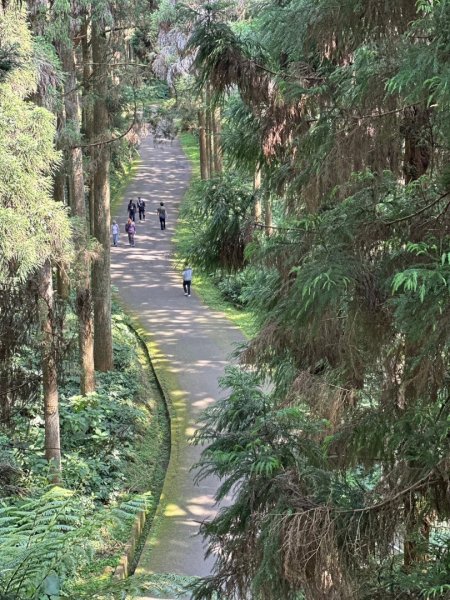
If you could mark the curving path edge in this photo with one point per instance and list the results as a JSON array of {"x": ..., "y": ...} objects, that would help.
[{"x": 190, "y": 347}]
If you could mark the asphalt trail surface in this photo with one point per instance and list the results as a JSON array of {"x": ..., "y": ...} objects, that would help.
[{"x": 193, "y": 346}]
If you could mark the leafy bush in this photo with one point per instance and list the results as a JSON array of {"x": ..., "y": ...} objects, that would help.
[
  {"x": 43, "y": 541},
  {"x": 49, "y": 538},
  {"x": 97, "y": 431},
  {"x": 219, "y": 219},
  {"x": 109, "y": 421},
  {"x": 233, "y": 286}
]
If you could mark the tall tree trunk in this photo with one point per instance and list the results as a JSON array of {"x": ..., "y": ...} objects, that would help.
[
  {"x": 415, "y": 128},
  {"x": 209, "y": 132},
  {"x": 204, "y": 161},
  {"x": 37, "y": 11},
  {"x": 103, "y": 355},
  {"x": 78, "y": 206},
  {"x": 62, "y": 279},
  {"x": 217, "y": 131},
  {"x": 88, "y": 113},
  {"x": 49, "y": 373},
  {"x": 36, "y": 15},
  {"x": 257, "y": 212},
  {"x": 268, "y": 223},
  {"x": 87, "y": 73}
]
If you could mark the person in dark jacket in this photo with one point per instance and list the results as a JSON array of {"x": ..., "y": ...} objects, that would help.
[
  {"x": 141, "y": 208},
  {"x": 131, "y": 210}
]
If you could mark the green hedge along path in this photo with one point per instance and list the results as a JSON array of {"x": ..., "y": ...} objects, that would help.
[{"x": 190, "y": 347}]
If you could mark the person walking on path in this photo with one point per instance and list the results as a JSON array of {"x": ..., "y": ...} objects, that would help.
[
  {"x": 187, "y": 280},
  {"x": 130, "y": 228},
  {"x": 131, "y": 210},
  {"x": 149, "y": 282},
  {"x": 141, "y": 208},
  {"x": 115, "y": 233},
  {"x": 161, "y": 210}
]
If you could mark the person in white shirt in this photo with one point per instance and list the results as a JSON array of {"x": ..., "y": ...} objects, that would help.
[
  {"x": 115, "y": 233},
  {"x": 187, "y": 280}
]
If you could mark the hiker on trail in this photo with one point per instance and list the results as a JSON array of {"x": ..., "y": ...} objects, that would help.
[
  {"x": 115, "y": 233},
  {"x": 187, "y": 280},
  {"x": 130, "y": 228},
  {"x": 161, "y": 210},
  {"x": 131, "y": 210},
  {"x": 141, "y": 208}
]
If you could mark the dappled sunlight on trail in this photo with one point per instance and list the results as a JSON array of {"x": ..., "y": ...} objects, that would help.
[{"x": 193, "y": 348}]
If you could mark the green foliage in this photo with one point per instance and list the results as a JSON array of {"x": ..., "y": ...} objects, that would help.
[
  {"x": 112, "y": 419},
  {"x": 232, "y": 286},
  {"x": 258, "y": 450},
  {"x": 44, "y": 540},
  {"x": 165, "y": 15},
  {"x": 204, "y": 283},
  {"x": 27, "y": 155},
  {"x": 220, "y": 218},
  {"x": 114, "y": 451},
  {"x": 48, "y": 539},
  {"x": 346, "y": 112},
  {"x": 241, "y": 137}
]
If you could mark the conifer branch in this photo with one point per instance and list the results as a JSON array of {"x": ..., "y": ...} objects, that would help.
[{"x": 422, "y": 210}]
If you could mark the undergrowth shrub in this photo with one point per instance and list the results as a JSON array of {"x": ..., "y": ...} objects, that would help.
[
  {"x": 53, "y": 540},
  {"x": 97, "y": 431},
  {"x": 236, "y": 287},
  {"x": 47, "y": 539},
  {"x": 219, "y": 215},
  {"x": 43, "y": 541}
]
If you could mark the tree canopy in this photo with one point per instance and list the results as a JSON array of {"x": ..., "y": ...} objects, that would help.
[
  {"x": 27, "y": 158},
  {"x": 323, "y": 209},
  {"x": 341, "y": 471}
]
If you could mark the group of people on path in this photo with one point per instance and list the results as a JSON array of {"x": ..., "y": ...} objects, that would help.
[
  {"x": 130, "y": 225},
  {"x": 140, "y": 207},
  {"x": 130, "y": 229}
]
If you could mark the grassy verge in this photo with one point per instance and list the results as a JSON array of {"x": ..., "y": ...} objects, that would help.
[{"x": 204, "y": 285}]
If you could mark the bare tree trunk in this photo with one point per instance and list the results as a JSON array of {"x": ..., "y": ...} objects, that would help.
[
  {"x": 415, "y": 128},
  {"x": 257, "y": 212},
  {"x": 87, "y": 73},
  {"x": 268, "y": 223},
  {"x": 78, "y": 206},
  {"x": 103, "y": 355},
  {"x": 62, "y": 279},
  {"x": 49, "y": 373},
  {"x": 209, "y": 132},
  {"x": 37, "y": 18},
  {"x": 217, "y": 131},
  {"x": 204, "y": 162},
  {"x": 87, "y": 113},
  {"x": 36, "y": 15}
]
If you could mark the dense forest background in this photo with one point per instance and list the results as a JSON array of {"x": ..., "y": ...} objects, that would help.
[{"x": 322, "y": 210}]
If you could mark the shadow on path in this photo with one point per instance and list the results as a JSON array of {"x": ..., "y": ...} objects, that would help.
[{"x": 194, "y": 345}]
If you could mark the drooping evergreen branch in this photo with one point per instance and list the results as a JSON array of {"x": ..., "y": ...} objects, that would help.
[{"x": 420, "y": 211}]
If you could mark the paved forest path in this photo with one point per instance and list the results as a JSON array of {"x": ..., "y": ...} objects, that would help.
[{"x": 192, "y": 347}]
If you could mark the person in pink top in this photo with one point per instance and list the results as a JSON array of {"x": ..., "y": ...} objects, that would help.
[{"x": 130, "y": 228}]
